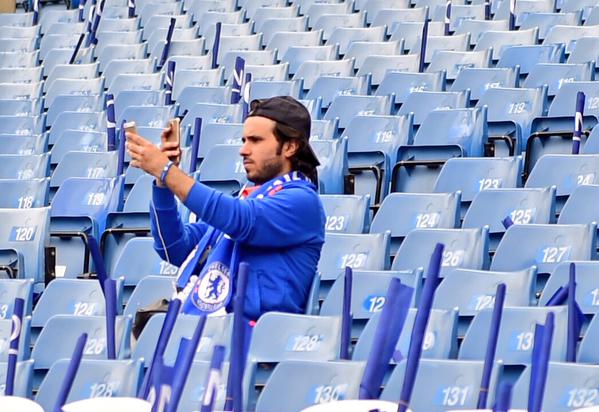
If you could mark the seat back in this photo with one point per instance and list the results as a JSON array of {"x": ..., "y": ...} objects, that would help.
[
  {"x": 478, "y": 80},
  {"x": 332, "y": 155},
  {"x": 24, "y": 194},
  {"x": 422, "y": 103},
  {"x": 346, "y": 213},
  {"x": 586, "y": 290}
]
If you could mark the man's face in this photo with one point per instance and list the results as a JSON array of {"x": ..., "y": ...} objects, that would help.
[{"x": 263, "y": 158}]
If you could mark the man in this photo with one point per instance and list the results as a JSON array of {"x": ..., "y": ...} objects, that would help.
[{"x": 278, "y": 227}]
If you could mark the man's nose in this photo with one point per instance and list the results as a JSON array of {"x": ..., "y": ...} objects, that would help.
[{"x": 244, "y": 150}]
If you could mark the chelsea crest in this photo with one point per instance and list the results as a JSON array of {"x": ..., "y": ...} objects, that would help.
[{"x": 211, "y": 293}]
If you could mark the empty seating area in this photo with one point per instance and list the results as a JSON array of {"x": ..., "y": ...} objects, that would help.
[{"x": 429, "y": 129}]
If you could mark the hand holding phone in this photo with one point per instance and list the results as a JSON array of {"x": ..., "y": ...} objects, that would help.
[{"x": 171, "y": 140}]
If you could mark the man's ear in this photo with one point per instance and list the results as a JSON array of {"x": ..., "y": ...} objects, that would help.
[{"x": 290, "y": 148}]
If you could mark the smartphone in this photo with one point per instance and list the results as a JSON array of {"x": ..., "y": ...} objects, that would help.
[
  {"x": 130, "y": 127},
  {"x": 175, "y": 134}
]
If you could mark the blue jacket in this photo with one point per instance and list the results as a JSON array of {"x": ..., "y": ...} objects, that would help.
[{"x": 280, "y": 236}]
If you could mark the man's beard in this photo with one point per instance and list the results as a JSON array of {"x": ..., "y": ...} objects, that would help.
[{"x": 271, "y": 169}]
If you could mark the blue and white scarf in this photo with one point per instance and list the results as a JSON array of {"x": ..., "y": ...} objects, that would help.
[{"x": 212, "y": 289}]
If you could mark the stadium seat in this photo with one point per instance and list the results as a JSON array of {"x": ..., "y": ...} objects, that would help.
[
  {"x": 279, "y": 337},
  {"x": 516, "y": 334},
  {"x": 564, "y": 102},
  {"x": 442, "y": 384},
  {"x": 472, "y": 175},
  {"x": 587, "y": 351},
  {"x": 10, "y": 289},
  {"x": 329, "y": 22},
  {"x": 459, "y": 14},
  {"x": 91, "y": 165},
  {"x": 77, "y": 140},
  {"x": 56, "y": 41},
  {"x": 545, "y": 21},
  {"x": 401, "y": 84},
  {"x": 267, "y": 72},
  {"x": 361, "y": 50},
  {"x": 586, "y": 290},
  {"x": 25, "y": 234},
  {"x": 517, "y": 105},
  {"x": 23, "y": 378},
  {"x": 199, "y": 78},
  {"x": 22, "y": 145},
  {"x": 474, "y": 290},
  {"x": 544, "y": 246},
  {"x": 18, "y": 60},
  {"x": 402, "y": 212},
  {"x": 332, "y": 155},
  {"x": 360, "y": 252},
  {"x": 149, "y": 290},
  {"x": 409, "y": 29},
  {"x": 310, "y": 70},
  {"x": 576, "y": 208},
  {"x": 329, "y": 87},
  {"x": 24, "y": 167},
  {"x": 106, "y": 38},
  {"x": 315, "y": 382},
  {"x": 117, "y": 67},
  {"x": 211, "y": 112},
  {"x": 73, "y": 86},
  {"x": 271, "y": 26},
  {"x": 477, "y": 27},
  {"x": 217, "y": 331},
  {"x": 452, "y": 61},
  {"x": 527, "y": 57},
  {"x": 21, "y": 45},
  {"x": 77, "y": 297},
  {"x": 524, "y": 206},
  {"x": 344, "y": 36},
  {"x": 380, "y": 65},
  {"x": 346, "y": 213},
  {"x": 501, "y": 9},
  {"x": 567, "y": 35},
  {"x": 566, "y": 172},
  {"x": 20, "y": 75},
  {"x": 500, "y": 40},
  {"x": 17, "y": 107},
  {"x": 147, "y": 116},
  {"x": 465, "y": 249},
  {"x": 284, "y": 40},
  {"x": 555, "y": 75},
  {"x": 121, "y": 52},
  {"x": 436, "y": 44},
  {"x": 195, "y": 386},
  {"x": 345, "y": 107},
  {"x": 422, "y": 103},
  {"x": 86, "y": 121},
  {"x": 369, "y": 290},
  {"x": 223, "y": 169},
  {"x": 440, "y": 340},
  {"x": 94, "y": 378},
  {"x": 252, "y": 58},
  {"x": 568, "y": 386},
  {"x": 73, "y": 103},
  {"x": 585, "y": 50}
]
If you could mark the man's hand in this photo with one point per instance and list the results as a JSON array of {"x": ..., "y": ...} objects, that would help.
[
  {"x": 169, "y": 146},
  {"x": 146, "y": 155}
]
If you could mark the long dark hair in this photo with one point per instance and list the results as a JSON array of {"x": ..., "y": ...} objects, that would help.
[{"x": 299, "y": 162}]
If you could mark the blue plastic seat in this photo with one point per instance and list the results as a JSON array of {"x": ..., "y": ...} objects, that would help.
[
  {"x": 279, "y": 337},
  {"x": 346, "y": 213},
  {"x": 360, "y": 252},
  {"x": 500, "y": 40},
  {"x": 106, "y": 38},
  {"x": 544, "y": 246},
  {"x": 251, "y": 57},
  {"x": 473, "y": 175},
  {"x": 401, "y": 84},
  {"x": 22, "y": 145},
  {"x": 474, "y": 290},
  {"x": 91, "y": 165},
  {"x": 16, "y": 19},
  {"x": 568, "y": 386},
  {"x": 156, "y": 36},
  {"x": 269, "y": 27},
  {"x": 329, "y": 87},
  {"x": 567, "y": 35},
  {"x": 266, "y": 72},
  {"x": 50, "y": 17},
  {"x": 345, "y": 107},
  {"x": 24, "y": 339},
  {"x": 20, "y": 75},
  {"x": 195, "y": 386},
  {"x": 361, "y": 50},
  {"x": 402, "y": 212},
  {"x": 77, "y": 297},
  {"x": 476, "y": 27},
  {"x": 565, "y": 99},
  {"x": 150, "y": 9},
  {"x": 223, "y": 169},
  {"x": 323, "y": 129},
  {"x": 524, "y": 206},
  {"x": 440, "y": 340},
  {"x": 17, "y": 107},
  {"x": 408, "y": 26},
  {"x": 344, "y": 36},
  {"x": 310, "y": 70},
  {"x": 83, "y": 121},
  {"x": 124, "y": 66},
  {"x": 282, "y": 41},
  {"x": 147, "y": 116},
  {"x": 517, "y": 105},
  {"x": 58, "y": 337},
  {"x": 314, "y": 383},
  {"x": 73, "y": 103},
  {"x": 219, "y": 133},
  {"x": 21, "y": 45},
  {"x": 19, "y": 60},
  {"x": 516, "y": 334},
  {"x": 379, "y": 65},
  {"x": 585, "y": 50},
  {"x": 369, "y": 290},
  {"x": 576, "y": 209},
  {"x": 464, "y": 248},
  {"x": 555, "y": 75},
  {"x": 586, "y": 290},
  {"x": 136, "y": 81},
  {"x": 135, "y": 270},
  {"x": 459, "y": 14},
  {"x": 10, "y": 289},
  {"x": 77, "y": 140},
  {"x": 501, "y": 9},
  {"x": 252, "y": 7},
  {"x": 545, "y": 21},
  {"x": 24, "y": 167},
  {"x": 198, "y": 78},
  {"x": 263, "y": 89},
  {"x": 61, "y": 86},
  {"x": 230, "y": 30},
  {"x": 332, "y": 155},
  {"x": 108, "y": 23},
  {"x": 217, "y": 331},
  {"x": 64, "y": 56},
  {"x": 330, "y": 22},
  {"x": 244, "y": 42},
  {"x": 422, "y": 103},
  {"x": 57, "y": 41},
  {"x": 121, "y": 52},
  {"x": 566, "y": 172},
  {"x": 211, "y": 112},
  {"x": 23, "y": 378},
  {"x": 21, "y": 125},
  {"x": 528, "y": 56},
  {"x": 94, "y": 378},
  {"x": 587, "y": 351},
  {"x": 373, "y": 7},
  {"x": 148, "y": 291},
  {"x": 452, "y": 62}
]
